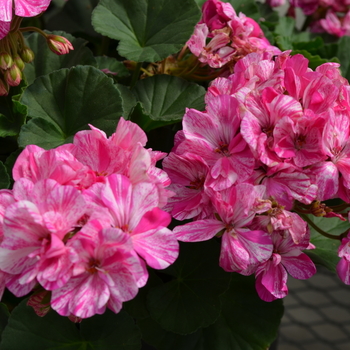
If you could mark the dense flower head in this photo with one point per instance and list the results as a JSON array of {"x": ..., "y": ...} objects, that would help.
[
  {"x": 83, "y": 220},
  {"x": 231, "y": 36},
  {"x": 272, "y": 142}
]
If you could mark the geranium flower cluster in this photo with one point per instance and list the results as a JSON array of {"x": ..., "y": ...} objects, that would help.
[
  {"x": 231, "y": 36},
  {"x": 274, "y": 138},
  {"x": 331, "y": 16},
  {"x": 84, "y": 219}
]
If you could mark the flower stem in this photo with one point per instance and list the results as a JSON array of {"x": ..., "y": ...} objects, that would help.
[
  {"x": 323, "y": 233},
  {"x": 136, "y": 74}
]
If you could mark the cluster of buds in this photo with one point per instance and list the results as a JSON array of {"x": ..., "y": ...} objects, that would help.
[
  {"x": 13, "y": 56},
  {"x": 14, "y": 53},
  {"x": 331, "y": 16}
]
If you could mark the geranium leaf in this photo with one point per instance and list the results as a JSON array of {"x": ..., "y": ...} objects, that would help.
[
  {"x": 12, "y": 112},
  {"x": 326, "y": 252},
  {"x": 191, "y": 299},
  {"x": 67, "y": 101},
  {"x": 148, "y": 30},
  {"x": 25, "y": 330},
  {"x": 246, "y": 322},
  {"x": 46, "y": 61},
  {"x": 4, "y": 315},
  {"x": 164, "y": 99},
  {"x": 110, "y": 65},
  {"x": 74, "y": 17},
  {"x": 4, "y": 177}
]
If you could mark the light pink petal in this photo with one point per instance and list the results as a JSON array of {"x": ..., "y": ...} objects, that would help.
[
  {"x": 128, "y": 135},
  {"x": 300, "y": 266},
  {"x": 198, "y": 231},
  {"x": 159, "y": 247},
  {"x": 30, "y": 8}
]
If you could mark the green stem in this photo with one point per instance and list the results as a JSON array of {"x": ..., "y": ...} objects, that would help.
[
  {"x": 33, "y": 29},
  {"x": 136, "y": 74},
  {"x": 323, "y": 233}
]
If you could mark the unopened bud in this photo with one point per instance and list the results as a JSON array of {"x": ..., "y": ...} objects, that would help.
[
  {"x": 18, "y": 62},
  {"x": 13, "y": 75},
  {"x": 5, "y": 60},
  {"x": 58, "y": 44},
  {"x": 27, "y": 55},
  {"x": 4, "y": 88}
]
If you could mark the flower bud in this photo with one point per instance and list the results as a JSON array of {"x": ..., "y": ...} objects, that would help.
[
  {"x": 58, "y": 44},
  {"x": 27, "y": 55},
  {"x": 4, "y": 88},
  {"x": 13, "y": 75},
  {"x": 18, "y": 62},
  {"x": 5, "y": 60}
]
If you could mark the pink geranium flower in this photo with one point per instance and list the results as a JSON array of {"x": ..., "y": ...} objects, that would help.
[
  {"x": 242, "y": 248},
  {"x": 107, "y": 274},
  {"x": 134, "y": 209},
  {"x": 33, "y": 246},
  {"x": 271, "y": 276}
]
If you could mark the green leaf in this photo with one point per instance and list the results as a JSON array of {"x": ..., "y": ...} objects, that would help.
[
  {"x": 75, "y": 17},
  {"x": 343, "y": 53},
  {"x": 285, "y": 27},
  {"x": 4, "y": 177},
  {"x": 112, "y": 65},
  {"x": 326, "y": 252},
  {"x": 129, "y": 99},
  {"x": 311, "y": 46},
  {"x": 284, "y": 42},
  {"x": 4, "y": 315},
  {"x": 314, "y": 60},
  {"x": 12, "y": 112},
  {"x": 191, "y": 300},
  {"x": 26, "y": 330},
  {"x": 148, "y": 30},
  {"x": 246, "y": 322},
  {"x": 248, "y": 7},
  {"x": 153, "y": 334},
  {"x": 46, "y": 61},
  {"x": 65, "y": 102},
  {"x": 164, "y": 99},
  {"x": 137, "y": 307}
]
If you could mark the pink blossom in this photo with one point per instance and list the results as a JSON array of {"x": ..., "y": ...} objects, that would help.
[
  {"x": 241, "y": 248},
  {"x": 108, "y": 273},
  {"x": 271, "y": 276},
  {"x": 34, "y": 231},
  {"x": 215, "y": 137},
  {"x": 188, "y": 173},
  {"x": 216, "y": 14},
  {"x": 134, "y": 209}
]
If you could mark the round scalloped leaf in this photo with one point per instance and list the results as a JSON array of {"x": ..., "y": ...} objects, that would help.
[
  {"x": 191, "y": 299},
  {"x": 65, "y": 102},
  {"x": 246, "y": 322},
  {"x": 46, "y": 61},
  {"x": 148, "y": 30},
  {"x": 164, "y": 100},
  {"x": 25, "y": 330}
]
